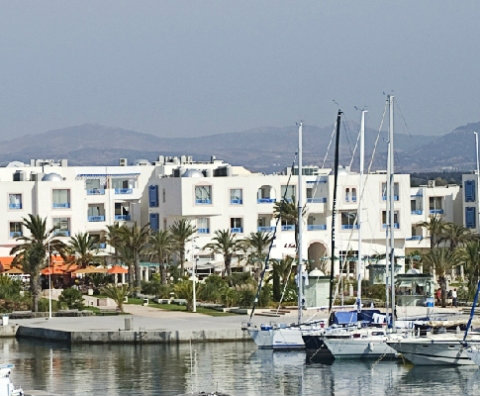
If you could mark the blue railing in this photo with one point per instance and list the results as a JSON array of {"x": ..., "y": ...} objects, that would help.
[
  {"x": 236, "y": 229},
  {"x": 124, "y": 191},
  {"x": 203, "y": 230},
  {"x": 63, "y": 205},
  {"x": 203, "y": 201},
  {"x": 266, "y": 229},
  {"x": 288, "y": 227},
  {"x": 236, "y": 201},
  {"x": 317, "y": 181},
  {"x": 96, "y": 191},
  {"x": 122, "y": 217},
  {"x": 436, "y": 211},
  {"x": 96, "y": 218},
  {"x": 395, "y": 225},
  {"x": 15, "y": 234},
  {"x": 317, "y": 200},
  {"x": 64, "y": 233},
  {"x": 395, "y": 197},
  {"x": 350, "y": 227},
  {"x": 266, "y": 200},
  {"x": 417, "y": 212},
  {"x": 15, "y": 206},
  {"x": 415, "y": 238},
  {"x": 316, "y": 227}
]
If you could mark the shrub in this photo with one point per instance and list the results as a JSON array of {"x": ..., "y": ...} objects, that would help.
[
  {"x": 117, "y": 293},
  {"x": 212, "y": 289},
  {"x": 72, "y": 298},
  {"x": 156, "y": 287}
]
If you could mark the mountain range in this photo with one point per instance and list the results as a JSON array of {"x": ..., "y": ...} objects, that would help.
[{"x": 268, "y": 149}]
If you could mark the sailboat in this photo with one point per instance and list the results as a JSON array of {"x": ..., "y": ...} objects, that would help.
[{"x": 287, "y": 336}]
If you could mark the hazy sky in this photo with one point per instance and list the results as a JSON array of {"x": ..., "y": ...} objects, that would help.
[{"x": 192, "y": 68}]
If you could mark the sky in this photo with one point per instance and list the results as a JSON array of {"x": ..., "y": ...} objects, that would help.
[{"x": 194, "y": 68}]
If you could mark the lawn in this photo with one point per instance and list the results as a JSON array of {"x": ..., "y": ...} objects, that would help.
[{"x": 179, "y": 308}]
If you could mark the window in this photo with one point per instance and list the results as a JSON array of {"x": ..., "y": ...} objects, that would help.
[
  {"x": 94, "y": 187},
  {"x": 396, "y": 223},
  {"x": 164, "y": 195},
  {"x": 347, "y": 194},
  {"x": 349, "y": 220},
  {"x": 287, "y": 226},
  {"x": 354, "y": 194},
  {"x": 436, "y": 205},
  {"x": 122, "y": 211},
  {"x": 469, "y": 190},
  {"x": 15, "y": 229},
  {"x": 396, "y": 191},
  {"x": 265, "y": 195},
  {"x": 288, "y": 193},
  {"x": 123, "y": 185},
  {"x": 236, "y": 225},
  {"x": 62, "y": 226},
  {"x": 203, "y": 195},
  {"x": 154, "y": 222},
  {"x": 61, "y": 198},
  {"x": 96, "y": 212},
  {"x": 15, "y": 201},
  {"x": 236, "y": 196},
  {"x": 153, "y": 196},
  {"x": 470, "y": 218},
  {"x": 203, "y": 225}
]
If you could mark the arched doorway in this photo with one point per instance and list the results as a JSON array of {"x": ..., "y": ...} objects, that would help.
[{"x": 316, "y": 254}]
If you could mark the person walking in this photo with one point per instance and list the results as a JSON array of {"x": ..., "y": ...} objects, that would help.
[{"x": 454, "y": 298}]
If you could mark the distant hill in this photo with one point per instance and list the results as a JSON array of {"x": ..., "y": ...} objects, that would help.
[{"x": 260, "y": 149}]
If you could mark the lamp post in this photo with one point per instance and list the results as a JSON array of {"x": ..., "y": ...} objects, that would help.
[
  {"x": 49, "y": 283},
  {"x": 194, "y": 273}
]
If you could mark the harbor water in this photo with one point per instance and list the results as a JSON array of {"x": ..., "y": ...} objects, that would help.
[{"x": 238, "y": 369}]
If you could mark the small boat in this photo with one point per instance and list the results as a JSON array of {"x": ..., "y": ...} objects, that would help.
[{"x": 6, "y": 386}]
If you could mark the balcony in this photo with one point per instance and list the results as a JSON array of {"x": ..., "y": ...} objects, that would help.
[
  {"x": 203, "y": 201},
  {"x": 417, "y": 212},
  {"x": 317, "y": 200},
  {"x": 288, "y": 227},
  {"x": 321, "y": 180},
  {"x": 15, "y": 206},
  {"x": 96, "y": 218},
  {"x": 395, "y": 225},
  {"x": 237, "y": 229},
  {"x": 122, "y": 217},
  {"x": 436, "y": 211},
  {"x": 100, "y": 245},
  {"x": 266, "y": 200},
  {"x": 395, "y": 197},
  {"x": 15, "y": 234},
  {"x": 124, "y": 191},
  {"x": 236, "y": 201},
  {"x": 203, "y": 230},
  {"x": 61, "y": 205},
  {"x": 350, "y": 227},
  {"x": 415, "y": 238},
  {"x": 266, "y": 229},
  {"x": 61, "y": 233},
  {"x": 96, "y": 191},
  {"x": 316, "y": 227}
]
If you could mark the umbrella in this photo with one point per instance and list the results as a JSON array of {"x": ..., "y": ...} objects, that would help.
[
  {"x": 14, "y": 270},
  {"x": 52, "y": 271},
  {"x": 117, "y": 269},
  {"x": 91, "y": 270}
]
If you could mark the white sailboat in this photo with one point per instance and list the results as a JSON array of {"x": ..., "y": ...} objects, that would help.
[{"x": 6, "y": 386}]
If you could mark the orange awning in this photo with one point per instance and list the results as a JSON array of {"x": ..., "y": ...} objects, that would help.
[
  {"x": 117, "y": 269},
  {"x": 52, "y": 271},
  {"x": 14, "y": 270},
  {"x": 91, "y": 270}
]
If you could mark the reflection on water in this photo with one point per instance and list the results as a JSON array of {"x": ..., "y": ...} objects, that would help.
[{"x": 233, "y": 368}]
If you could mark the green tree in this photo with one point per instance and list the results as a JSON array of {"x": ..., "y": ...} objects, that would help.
[
  {"x": 442, "y": 260},
  {"x": 114, "y": 239},
  {"x": 33, "y": 249},
  {"x": 436, "y": 229},
  {"x": 469, "y": 254},
  {"x": 226, "y": 244},
  {"x": 161, "y": 246},
  {"x": 9, "y": 288},
  {"x": 82, "y": 247},
  {"x": 287, "y": 211},
  {"x": 184, "y": 289},
  {"x": 72, "y": 298},
  {"x": 117, "y": 293},
  {"x": 256, "y": 246},
  {"x": 182, "y": 230},
  {"x": 134, "y": 244},
  {"x": 283, "y": 270}
]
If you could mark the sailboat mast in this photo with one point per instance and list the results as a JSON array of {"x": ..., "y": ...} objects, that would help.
[
  {"x": 300, "y": 223},
  {"x": 334, "y": 205},
  {"x": 359, "y": 212},
  {"x": 391, "y": 211}
]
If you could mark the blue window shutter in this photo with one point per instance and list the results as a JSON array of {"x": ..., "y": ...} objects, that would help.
[
  {"x": 470, "y": 191},
  {"x": 153, "y": 196},
  {"x": 154, "y": 221},
  {"x": 470, "y": 217}
]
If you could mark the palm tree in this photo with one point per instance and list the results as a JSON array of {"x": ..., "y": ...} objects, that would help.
[
  {"x": 181, "y": 231},
  {"x": 436, "y": 228},
  {"x": 256, "y": 245},
  {"x": 134, "y": 245},
  {"x": 32, "y": 251},
  {"x": 117, "y": 294},
  {"x": 469, "y": 254},
  {"x": 114, "y": 239},
  {"x": 161, "y": 245},
  {"x": 226, "y": 244},
  {"x": 82, "y": 247},
  {"x": 442, "y": 260},
  {"x": 283, "y": 276}
]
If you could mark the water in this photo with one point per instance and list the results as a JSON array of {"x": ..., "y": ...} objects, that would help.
[{"x": 238, "y": 369}]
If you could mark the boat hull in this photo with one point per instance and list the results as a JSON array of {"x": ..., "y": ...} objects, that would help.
[
  {"x": 277, "y": 338},
  {"x": 360, "y": 348}
]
